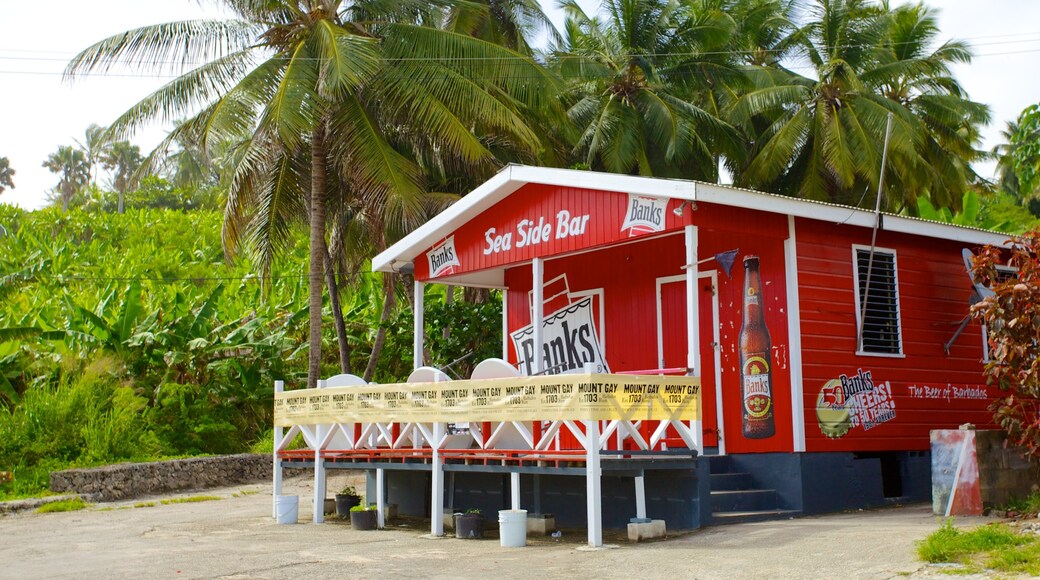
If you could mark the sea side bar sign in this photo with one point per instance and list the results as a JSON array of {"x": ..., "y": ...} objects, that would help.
[{"x": 584, "y": 397}]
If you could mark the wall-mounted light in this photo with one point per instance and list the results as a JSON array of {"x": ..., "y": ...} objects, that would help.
[
  {"x": 679, "y": 210},
  {"x": 406, "y": 268}
]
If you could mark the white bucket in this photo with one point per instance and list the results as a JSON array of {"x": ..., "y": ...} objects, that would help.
[
  {"x": 512, "y": 528},
  {"x": 287, "y": 509}
]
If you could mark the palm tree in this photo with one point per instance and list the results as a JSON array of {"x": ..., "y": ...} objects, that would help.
[
  {"x": 94, "y": 146},
  {"x": 509, "y": 23},
  {"x": 6, "y": 174},
  {"x": 307, "y": 87},
  {"x": 1018, "y": 157},
  {"x": 821, "y": 137},
  {"x": 74, "y": 172},
  {"x": 124, "y": 160},
  {"x": 632, "y": 78}
]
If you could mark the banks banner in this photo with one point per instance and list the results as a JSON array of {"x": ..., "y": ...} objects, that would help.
[
  {"x": 585, "y": 397},
  {"x": 569, "y": 341}
]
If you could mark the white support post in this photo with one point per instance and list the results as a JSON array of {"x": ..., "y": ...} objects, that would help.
[
  {"x": 505, "y": 324},
  {"x": 537, "y": 277},
  {"x": 380, "y": 500},
  {"x": 419, "y": 326},
  {"x": 794, "y": 336},
  {"x": 276, "y": 485},
  {"x": 640, "y": 497},
  {"x": 693, "y": 321},
  {"x": 514, "y": 488},
  {"x": 593, "y": 485},
  {"x": 319, "y": 471},
  {"x": 437, "y": 491}
]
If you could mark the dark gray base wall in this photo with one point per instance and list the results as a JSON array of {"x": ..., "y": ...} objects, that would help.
[
  {"x": 816, "y": 483},
  {"x": 673, "y": 496}
]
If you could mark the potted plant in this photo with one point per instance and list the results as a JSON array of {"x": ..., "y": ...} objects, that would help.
[
  {"x": 469, "y": 525},
  {"x": 363, "y": 517},
  {"x": 347, "y": 498}
]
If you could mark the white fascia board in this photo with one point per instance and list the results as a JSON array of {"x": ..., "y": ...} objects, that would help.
[
  {"x": 655, "y": 186},
  {"x": 723, "y": 195}
]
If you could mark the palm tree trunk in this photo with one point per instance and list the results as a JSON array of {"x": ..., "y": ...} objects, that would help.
[
  {"x": 317, "y": 253},
  {"x": 337, "y": 315},
  {"x": 120, "y": 201},
  {"x": 389, "y": 287}
]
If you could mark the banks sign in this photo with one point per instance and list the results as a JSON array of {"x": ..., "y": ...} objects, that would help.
[{"x": 569, "y": 342}]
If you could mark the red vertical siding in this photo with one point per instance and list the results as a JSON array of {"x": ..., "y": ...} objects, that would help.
[
  {"x": 628, "y": 273},
  {"x": 933, "y": 296}
]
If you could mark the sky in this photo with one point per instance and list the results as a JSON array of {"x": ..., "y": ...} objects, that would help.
[{"x": 39, "y": 110}]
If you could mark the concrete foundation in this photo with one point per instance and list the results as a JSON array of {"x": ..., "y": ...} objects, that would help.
[
  {"x": 540, "y": 524},
  {"x": 646, "y": 531}
]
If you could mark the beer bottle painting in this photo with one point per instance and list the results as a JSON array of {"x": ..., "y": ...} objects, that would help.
[{"x": 756, "y": 373}]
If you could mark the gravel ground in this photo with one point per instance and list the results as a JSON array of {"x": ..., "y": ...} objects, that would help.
[{"x": 236, "y": 537}]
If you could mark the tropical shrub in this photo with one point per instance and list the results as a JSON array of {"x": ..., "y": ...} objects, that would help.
[{"x": 1012, "y": 319}]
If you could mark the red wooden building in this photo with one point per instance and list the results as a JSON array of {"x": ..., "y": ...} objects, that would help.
[{"x": 623, "y": 273}]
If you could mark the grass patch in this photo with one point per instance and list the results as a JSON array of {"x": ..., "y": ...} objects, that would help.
[
  {"x": 65, "y": 505},
  {"x": 144, "y": 504},
  {"x": 1024, "y": 559},
  {"x": 1026, "y": 505},
  {"x": 994, "y": 546},
  {"x": 191, "y": 499},
  {"x": 245, "y": 493}
]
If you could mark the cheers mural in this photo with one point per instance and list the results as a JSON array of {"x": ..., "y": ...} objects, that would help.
[{"x": 851, "y": 402}]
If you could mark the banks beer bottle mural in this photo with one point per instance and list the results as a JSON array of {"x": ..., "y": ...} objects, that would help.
[{"x": 756, "y": 373}]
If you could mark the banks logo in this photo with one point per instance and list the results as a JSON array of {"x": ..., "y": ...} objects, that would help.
[
  {"x": 569, "y": 342},
  {"x": 443, "y": 258},
  {"x": 644, "y": 214}
]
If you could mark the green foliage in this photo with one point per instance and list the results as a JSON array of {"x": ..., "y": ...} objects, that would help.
[
  {"x": 6, "y": 174},
  {"x": 73, "y": 170},
  {"x": 1003, "y": 212},
  {"x": 349, "y": 490},
  {"x": 997, "y": 545},
  {"x": 155, "y": 193},
  {"x": 1022, "y": 559},
  {"x": 992, "y": 211},
  {"x": 126, "y": 337},
  {"x": 474, "y": 332},
  {"x": 949, "y": 544},
  {"x": 1024, "y": 150},
  {"x": 190, "y": 499},
  {"x": 65, "y": 505},
  {"x": 1012, "y": 317},
  {"x": 1026, "y": 505},
  {"x": 363, "y": 508}
]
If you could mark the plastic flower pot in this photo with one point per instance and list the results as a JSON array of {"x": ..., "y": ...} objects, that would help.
[
  {"x": 363, "y": 519},
  {"x": 344, "y": 502},
  {"x": 469, "y": 526}
]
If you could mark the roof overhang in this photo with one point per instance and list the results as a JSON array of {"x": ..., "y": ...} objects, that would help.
[{"x": 513, "y": 177}]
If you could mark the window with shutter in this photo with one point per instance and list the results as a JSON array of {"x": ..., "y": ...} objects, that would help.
[{"x": 877, "y": 302}]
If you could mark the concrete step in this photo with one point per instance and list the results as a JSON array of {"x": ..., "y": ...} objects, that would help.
[
  {"x": 731, "y": 481},
  {"x": 743, "y": 517},
  {"x": 743, "y": 500},
  {"x": 718, "y": 463}
]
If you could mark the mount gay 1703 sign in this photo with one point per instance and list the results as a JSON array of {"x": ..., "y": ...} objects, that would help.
[{"x": 569, "y": 341}]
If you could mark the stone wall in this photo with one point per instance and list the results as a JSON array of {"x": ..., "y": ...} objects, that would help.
[
  {"x": 1004, "y": 474},
  {"x": 130, "y": 480}
]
